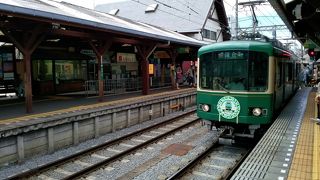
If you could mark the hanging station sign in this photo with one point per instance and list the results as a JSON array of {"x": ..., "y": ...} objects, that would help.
[
  {"x": 126, "y": 57},
  {"x": 161, "y": 55}
]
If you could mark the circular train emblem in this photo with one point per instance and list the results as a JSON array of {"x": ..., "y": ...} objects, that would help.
[{"x": 228, "y": 107}]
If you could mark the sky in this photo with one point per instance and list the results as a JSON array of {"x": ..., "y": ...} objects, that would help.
[{"x": 266, "y": 16}]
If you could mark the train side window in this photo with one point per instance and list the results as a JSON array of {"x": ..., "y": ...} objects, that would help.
[
  {"x": 258, "y": 71},
  {"x": 279, "y": 74},
  {"x": 289, "y": 72}
]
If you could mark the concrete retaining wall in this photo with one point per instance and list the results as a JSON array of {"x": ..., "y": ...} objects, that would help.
[{"x": 45, "y": 135}]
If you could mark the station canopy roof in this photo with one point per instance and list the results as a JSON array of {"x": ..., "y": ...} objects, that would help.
[
  {"x": 65, "y": 13},
  {"x": 301, "y": 17}
]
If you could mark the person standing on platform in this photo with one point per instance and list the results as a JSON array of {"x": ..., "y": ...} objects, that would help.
[
  {"x": 173, "y": 76},
  {"x": 302, "y": 77},
  {"x": 178, "y": 75},
  {"x": 19, "y": 87},
  {"x": 189, "y": 77},
  {"x": 194, "y": 70}
]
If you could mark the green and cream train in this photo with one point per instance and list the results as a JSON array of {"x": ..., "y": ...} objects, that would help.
[{"x": 243, "y": 84}]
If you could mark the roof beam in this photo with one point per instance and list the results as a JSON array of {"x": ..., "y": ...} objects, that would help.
[
  {"x": 76, "y": 34},
  {"x": 91, "y": 36}
]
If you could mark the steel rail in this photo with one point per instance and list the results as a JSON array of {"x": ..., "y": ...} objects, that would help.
[
  {"x": 67, "y": 159},
  {"x": 194, "y": 162},
  {"x": 203, "y": 155},
  {"x": 237, "y": 165},
  {"x": 96, "y": 166}
]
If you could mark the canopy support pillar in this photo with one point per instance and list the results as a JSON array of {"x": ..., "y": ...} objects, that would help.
[
  {"x": 27, "y": 43},
  {"x": 145, "y": 52},
  {"x": 99, "y": 49}
]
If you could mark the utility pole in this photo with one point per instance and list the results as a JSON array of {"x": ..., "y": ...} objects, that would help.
[
  {"x": 237, "y": 20},
  {"x": 274, "y": 32},
  {"x": 254, "y": 18}
]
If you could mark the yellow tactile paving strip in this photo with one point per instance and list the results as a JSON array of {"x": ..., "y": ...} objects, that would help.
[
  {"x": 316, "y": 150},
  {"x": 305, "y": 164},
  {"x": 86, "y": 107}
]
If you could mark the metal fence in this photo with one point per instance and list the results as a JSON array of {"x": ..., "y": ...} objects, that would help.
[
  {"x": 116, "y": 86},
  {"x": 113, "y": 86},
  {"x": 160, "y": 82}
]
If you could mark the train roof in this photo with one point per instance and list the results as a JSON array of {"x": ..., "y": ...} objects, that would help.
[{"x": 238, "y": 45}]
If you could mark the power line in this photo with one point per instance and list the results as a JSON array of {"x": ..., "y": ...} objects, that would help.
[
  {"x": 139, "y": 2},
  {"x": 228, "y": 4},
  {"x": 243, "y": 20},
  {"x": 185, "y": 4},
  {"x": 267, "y": 18},
  {"x": 171, "y": 7},
  {"x": 276, "y": 19},
  {"x": 264, "y": 19},
  {"x": 196, "y": 22}
]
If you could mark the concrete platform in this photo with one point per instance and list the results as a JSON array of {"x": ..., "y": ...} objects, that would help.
[
  {"x": 14, "y": 107},
  {"x": 290, "y": 149},
  {"x": 63, "y": 121}
]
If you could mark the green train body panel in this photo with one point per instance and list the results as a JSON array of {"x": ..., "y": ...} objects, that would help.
[
  {"x": 247, "y": 103},
  {"x": 238, "y": 45}
]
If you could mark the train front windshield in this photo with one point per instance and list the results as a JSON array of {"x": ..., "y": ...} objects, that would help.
[{"x": 245, "y": 71}]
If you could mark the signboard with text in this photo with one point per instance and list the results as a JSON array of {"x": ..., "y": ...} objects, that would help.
[
  {"x": 126, "y": 57},
  {"x": 151, "y": 68}
]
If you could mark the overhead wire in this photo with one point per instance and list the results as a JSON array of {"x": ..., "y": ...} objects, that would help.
[
  {"x": 221, "y": 24},
  {"x": 139, "y": 2},
  {"x": 263, "y": 20},
  {"x": 169, "y": 6},
  {"x": 170, "y": 13},
  {"x": 272, "y": 22},
  {"x": 192, "y": 9},
  {"x": 225, "y": 2},
  {"x": 239, "y": 12},
  {"x": 283, "y": 32},
  {"x": 267, "y": 18}
]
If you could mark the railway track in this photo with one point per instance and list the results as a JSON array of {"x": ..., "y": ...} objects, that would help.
[
  {"x": 216, "y": 162},
  {"x": 85, "y": 162}
]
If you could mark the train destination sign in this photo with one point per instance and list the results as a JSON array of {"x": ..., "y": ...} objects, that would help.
[{"x": 225, "y": 55}]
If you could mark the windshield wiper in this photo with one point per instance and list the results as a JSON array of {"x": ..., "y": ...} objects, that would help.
[{"x": 223, "y": 88}]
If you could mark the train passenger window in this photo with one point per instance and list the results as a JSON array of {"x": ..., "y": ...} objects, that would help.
[
  {"x": 279, "y": 75},
  {"x": 258, "y": 71},
  {"x": 289, "y": 76}
]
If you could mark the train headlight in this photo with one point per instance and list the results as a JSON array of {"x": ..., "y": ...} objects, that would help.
[
  {"x": 205, "y": 107},
  {"x": 256, "y": 111}
]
